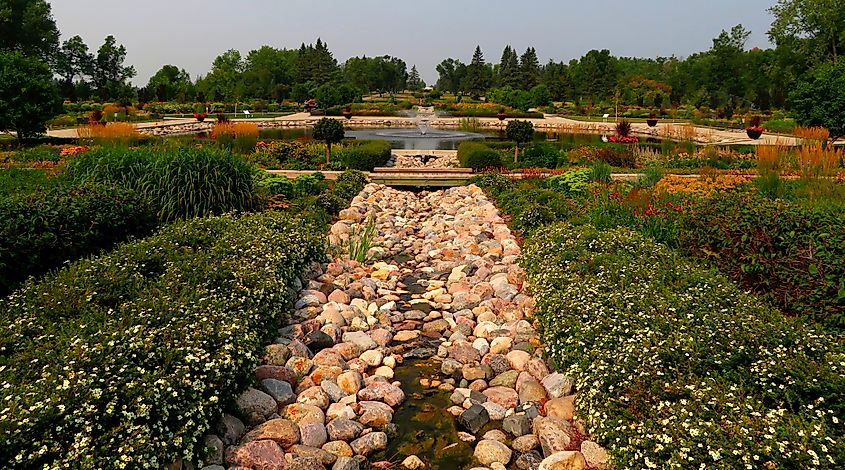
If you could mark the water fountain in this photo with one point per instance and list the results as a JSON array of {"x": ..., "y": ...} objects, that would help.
[{"x": 424, "y": 137}]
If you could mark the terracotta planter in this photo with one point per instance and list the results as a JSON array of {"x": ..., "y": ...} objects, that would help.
[
  {"x": 651, "y": 122},
  {"x": 347, "y": 115},
  {"x": 754, "y": 133},
  {"x": 501, "y": 116}
]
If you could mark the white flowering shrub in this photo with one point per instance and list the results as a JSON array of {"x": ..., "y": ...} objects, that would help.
[
  {"x": 123, "y": 361},
  {"x": 677, "y": 367}
]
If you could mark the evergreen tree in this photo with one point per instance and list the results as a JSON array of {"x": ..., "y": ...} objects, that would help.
[
  {"x": 476, "y": 82},
  {"x": 529, "y": 68},
  {"x": 509, "y": 73},
  {"x": 415, "y": 83}
]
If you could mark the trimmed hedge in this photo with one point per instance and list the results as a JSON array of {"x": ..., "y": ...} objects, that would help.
[
  {"x": 42, "y": 229},
  {"x": 676, "y": 366},
  {"x": 366, "y": 156},
  {"x": 478, "y": 156},
  {"x": 122, "y": 361}
]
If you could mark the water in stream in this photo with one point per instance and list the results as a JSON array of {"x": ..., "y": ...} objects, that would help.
[{"x": 424, "y": 427}]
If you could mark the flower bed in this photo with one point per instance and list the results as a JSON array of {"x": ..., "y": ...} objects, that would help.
[
  {"x": 677, "y": 367},
  {"x": 122, "y": 361}
]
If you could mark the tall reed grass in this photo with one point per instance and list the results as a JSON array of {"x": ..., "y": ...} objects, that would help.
[
  {"x": 182, "y": 182},
  {"x": 114, "y": 133},
  {"x": 240, "y": 137}
]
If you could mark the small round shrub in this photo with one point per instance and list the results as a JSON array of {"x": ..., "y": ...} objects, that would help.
[
  {"x": 353, "y": 178},
  {"x": 540, "y": 156},
  {"x": 331, "y": 202}
]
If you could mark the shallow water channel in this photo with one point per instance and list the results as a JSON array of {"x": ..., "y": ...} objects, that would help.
[{"x": 424, "y": 427}]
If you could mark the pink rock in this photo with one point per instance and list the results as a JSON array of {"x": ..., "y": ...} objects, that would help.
[
  {"x": 464, "y": 353},
  {"x": 339, "y": 296},
  {"x": 259, "y": 455},
  {"x": 276, "y": 372},
  {"x": 314, "y": 396},
  {"x": 328, "y": 357},
  {"x": 537, "y": 368},
  {"x": 382, "y": 391},
  {"x": 382, "y": 337},
  {"x": 281, "y": 431},
  {"x": 347, "y": 350},
  {"x": 319, "y": 295},
  {"x": 503, "y": 396},
  {"x": 518, "y": 360},
  {"x": 478, "y": 385},
  {"x": 320, "y": 374}
]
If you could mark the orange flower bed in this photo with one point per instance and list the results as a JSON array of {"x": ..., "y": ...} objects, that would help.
[
  {"x": 74, "y": 150},
  {"x": 702, "y": 187}
]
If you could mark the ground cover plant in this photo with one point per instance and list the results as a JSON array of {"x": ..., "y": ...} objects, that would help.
[
  {"x": 45, "y": 227},
  {"x": 677, "y": 367},
  {"x": 121, "y": 361}
]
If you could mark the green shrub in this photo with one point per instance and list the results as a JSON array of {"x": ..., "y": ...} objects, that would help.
[
  {"x": 279, "y": 185},
  {"x": 125, "y": 359},
  {"x": 494, "y": 183},
  {"x": 571, "y": 183},
  {"x": 181, "y": 182},
  {"x": 478, "y": 156},
  {"x": 41, "y": 153},
  {"x": 540, "y": 156},
  {"x": 533, "y": 216},
  {"x": 331, "y": 202},
  {"x": 349, "y": 183},
  {"x": 600, "y": 172},
  {"x": 42, "y": 229},
  {"x": 309, "y": 185},
  {"x": 677, "y": 367},
  {"x": 789, "y": 254},
  {"x": 288, "y": 154},
  {"x": 22, "y": 180},
  {"x": 366, "y": 156}
]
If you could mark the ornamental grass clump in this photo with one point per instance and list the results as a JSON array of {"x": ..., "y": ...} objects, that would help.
[
  {"x": 240, "y": 137},
  {"x": 113, "y": 133},
  {"x": 181, "y": 182},
  {"x": 123, "y": 361},
  {"x": 676, "y": 366}
]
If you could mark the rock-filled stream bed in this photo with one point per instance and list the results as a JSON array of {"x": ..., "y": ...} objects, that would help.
[{"x": 425, "y": 356}]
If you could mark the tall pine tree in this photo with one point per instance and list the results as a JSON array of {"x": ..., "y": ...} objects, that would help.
[
  {"x": 529, "y": 69},
  {"x": 415, "y": 83},
  {"x": 509, "y": 73},
  {"x": 476, "y": 82}
]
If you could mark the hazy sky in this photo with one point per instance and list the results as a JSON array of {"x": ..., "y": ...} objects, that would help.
[{"x": 191, "y": 33}]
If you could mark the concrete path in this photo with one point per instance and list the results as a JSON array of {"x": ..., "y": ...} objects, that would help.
[{"x": 547, "y": 123}]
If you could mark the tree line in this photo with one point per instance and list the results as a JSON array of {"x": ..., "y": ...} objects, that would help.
[
  {"x": 804, "y": 65},
  {"x": 728, "y": 76}
]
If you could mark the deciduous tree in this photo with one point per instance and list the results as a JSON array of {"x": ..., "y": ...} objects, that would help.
[
  {"x": 329, "y": 131},
  {"x": 520, "y": 132},
  {"x": 28, "y": 26},
  {"x": 28, "y": 95}
]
